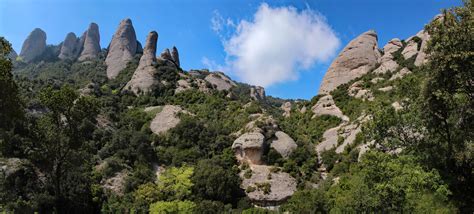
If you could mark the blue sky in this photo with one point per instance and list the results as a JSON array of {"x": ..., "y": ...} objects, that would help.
[{"x": 188, "y": 25}]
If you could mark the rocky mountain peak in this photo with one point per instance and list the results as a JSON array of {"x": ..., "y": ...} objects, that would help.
[
  {"x": 91, "y": 38},
  {"x": 143, "y": 78},
  {"x": 34, "y": 45},
  {"x": 175, "y": 56},
  {"x": 122, "y": 48},
  {"x": 71, "y": 47},
  {"x": 356, "y": 59}
]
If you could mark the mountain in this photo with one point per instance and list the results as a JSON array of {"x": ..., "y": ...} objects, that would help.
[{"x": 123, "y": 130}]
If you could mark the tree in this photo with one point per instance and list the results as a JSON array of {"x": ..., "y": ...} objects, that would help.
[
  {"x": 165, "y": 207},
  {"x": 10, "y": 107},
  {"x": 61, "y": 136},
  {"x": 449, "y": 101},
  {"x": 215, "y": 180}
]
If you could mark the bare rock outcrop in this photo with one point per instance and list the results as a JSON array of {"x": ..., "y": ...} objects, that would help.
[
  {"x": 91, "y": 41},
  {"x": 34, "y": 45},
  {"x": 122, "y": 48},
  {"x": 175, "y": 56},
  {"x": 326, "y": 106},
  {"x": 387, "y": 62},
  {"x": 356, "y": 90},
  {"x": 283, "y": 144},
  {"x": 286, "y": 107},
  {"x": 422, "y": 57},
  {"x": 269, "y": 187},
  {"x": 411, "y": 49},
  {"x": 71, "y": 47},
  {"x": 356, "y": 59},
  {"x": 249, "y": 147},
  {"x": 143, "y": 78},
  {"x": 166, "y": 119},
  {"x": 257, "y": 93},
  {"x": 220, "y": 81},
  {"x": 400, "y": 74}
]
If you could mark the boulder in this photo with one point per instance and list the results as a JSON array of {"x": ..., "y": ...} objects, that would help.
[
  {"x": 91, "y": 41},
  {"x": 249, "y": 147},
  {"x": 283, "y": 144},
  {"x": 122, "y": 48},
  {"x": 410, "y": 50},
  {"x": 220, "y": 81},
  {"x": 422, "y": 57},
  {"x": 34, "y": 45},
  {"x": 326, "y": 106},
  {"x": 182, "y": 85},
  {"x": 166, "y": 119},
  {"x": 387, "y": 64},
  {"x": 356, "y": 90},
  {"x": 376, "y": 80},
  {"x": 257, "y": 93},
  {"x": 286, "y": 107},
  {"x": 330, "y": 138},
  {"x": 70, "y": 48},
  {"x": 175, "y": 56},
  {"x": 400, "y": 74},
  {"x": 359, "y": 57},
  {"x": 281, "y": 185},
  {"x": 386, "y": 89},
  {"x": 143, "y": 78}
]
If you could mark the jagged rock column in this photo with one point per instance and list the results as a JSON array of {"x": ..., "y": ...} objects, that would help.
[
  {"x": 122, "y": 48},
  {"x": 91, "y": 40},
  {"x": 143, "y": 78},
  {"x": 34, "y": 45}
]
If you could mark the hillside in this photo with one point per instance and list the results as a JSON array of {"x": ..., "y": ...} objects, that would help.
[{"x": 123, "y": 129}]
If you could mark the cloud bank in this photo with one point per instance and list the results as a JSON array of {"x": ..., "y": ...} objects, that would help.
[{"x": 277, "y": 44}]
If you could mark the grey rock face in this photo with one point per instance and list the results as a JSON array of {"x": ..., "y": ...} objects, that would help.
[
  {"x": 175, "y": 56},
  {"x": 144, "y": 76},
  {"x": 122, "y": 48},
  {"x": 166, "y": 55},
  {"x": 91, "y": 41},
  {"x": 283, "y": 144},
  {"x": 70, "y": 48},
  {"x": 166, "y": 119},
  {"x": 356, "y": 59},
  {"x": 286, "y": 107},
  {"x": 257, "y": 93},
  {"x": 386, "y": 61},
  {"x": 422, "y": 57},
  {"x": 327, "y": 106},
  {"x": 220, "y": 81},
  {"x": 34, "y": 45},
  {"x": 249, "y": 147}
]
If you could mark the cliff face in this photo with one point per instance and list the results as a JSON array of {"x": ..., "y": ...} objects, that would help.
[
  {"x": 356, "y": 59},
  {"x": 91, "y": 40},
  {"x": 34, "y": 45},
  {"x": 122, "y": 48}
]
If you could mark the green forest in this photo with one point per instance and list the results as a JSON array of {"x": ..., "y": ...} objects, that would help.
[{"x": 72, "y": 141}]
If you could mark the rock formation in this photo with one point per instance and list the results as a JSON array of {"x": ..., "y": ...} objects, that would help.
[
  {"x": 400, "y": 74},
  {"x": 356, "y": 90},
  {"x": 411, "y": 49},
  {"x": 257, "y": 93},
  {"x": 283, "y": 144},
  {"x": 91, "y": 40},
  {"x": 281, "y": 185},
  {"x": 166, "y": 119},
  {"x": 70, "y": 48},
  {"x": 122, "y": 48},
  {"x": 356, "y": 59},
  {"x": 34, "y": 45},
  {"x": 387, "y": 62},
  {"x": 326, "y": 106},
  {"x": 286, "y": 107},
  {"x": 175, "y": 56},
  {"x": 249, "y": 147},
  {"x": 166, "y": 55},
  {"x": 143, "y": 78},
  {"x": 220, "y": 81},
  {"x": 422, "y": 57}
]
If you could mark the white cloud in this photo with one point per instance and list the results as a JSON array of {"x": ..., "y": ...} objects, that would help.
[{"x": 277, "y": 44}]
